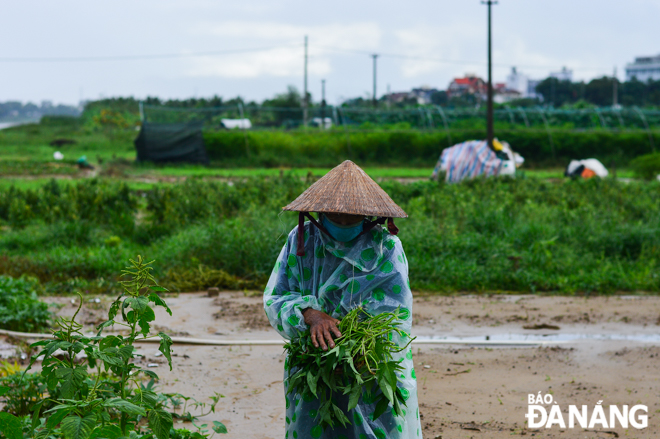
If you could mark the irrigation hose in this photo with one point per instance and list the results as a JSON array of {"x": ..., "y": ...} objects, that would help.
[{"x": 225, "y": 342}]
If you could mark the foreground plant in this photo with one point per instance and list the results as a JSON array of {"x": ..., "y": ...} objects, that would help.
[
  {"x": 361, "y": 361},
  {"x": 96, "y": 389}
]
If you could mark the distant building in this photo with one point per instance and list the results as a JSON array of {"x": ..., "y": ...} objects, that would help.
[
  {"x": 398, "y": 97},
  {"x": 531, "y": 89},
  {"x": 502, "y": 93},
  {"x": 644, "y": 68},
  {"x": 563, "y": 75},
  {"x": 423, "y": 94},
  {"x": 517, "y": 81},
  {"x": 522, "y": 84},
  {"x": 471, "y": 84}
]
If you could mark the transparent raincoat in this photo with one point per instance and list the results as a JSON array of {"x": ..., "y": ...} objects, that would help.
[{"x": 334, "y": 277}]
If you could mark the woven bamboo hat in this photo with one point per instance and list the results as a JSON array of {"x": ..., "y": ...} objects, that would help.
[{"x": 347, "y": 189}]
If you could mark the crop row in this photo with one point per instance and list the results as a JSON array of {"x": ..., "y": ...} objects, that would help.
[
  {"x": 418, "y": 148},
  {"x": 496, "y": 234}
]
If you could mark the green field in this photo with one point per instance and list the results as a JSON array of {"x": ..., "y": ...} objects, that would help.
[
  {"x": 521, "y": 235},
  {"x": 221, "y": 225}
]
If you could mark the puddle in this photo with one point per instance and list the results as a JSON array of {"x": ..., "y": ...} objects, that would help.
[{"x": 544, "y": 338}]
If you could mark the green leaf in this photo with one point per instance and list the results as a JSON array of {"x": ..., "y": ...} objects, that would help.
[
  {"x": 155, "y": 298},
  {"x": 144, "y": 319},
  {"x": 106, "y": 432},
  {"x": 158, "y": 288},
  {"x": 339, "y": 414},
  {"x": 104, "y": 325},
  {"x": 160, "y": 423},
  {"x": 380, "y": 407},
  {"x": 387, "y": 379},
  {"x": 126, "y": 352},
  {"x": 35, "y": 414},
  {"x": 114, "y": 308},
  {"x": 165, "y": 347},
  {"x": 109, "y": 341},
  {"x": 312, "y": 380},
  {"x": 150, "y": 373},
  {"x": 53, "y": 346},
  {"x": 386, "y": 388},
  {"x": 75, "y": 427},
  {"x": 145, "y": 397},
  {"x": 55, "y": 419},
  {"x": 139, "y": 303},
  {"x": 10, "y": 426},
  {"x": 110, "y": 356},
  {"x": 354, "y": 397},
  {"x": 219, "y": 427},
  {"x": 125, "y": 406},
  {"x": 71, "y": 380}
]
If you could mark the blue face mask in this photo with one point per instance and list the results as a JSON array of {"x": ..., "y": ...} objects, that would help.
[{"x": 342, "y": 233}]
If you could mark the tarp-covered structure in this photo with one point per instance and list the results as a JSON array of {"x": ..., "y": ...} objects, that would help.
[
  {"x": 171, "y": 142},
  {"x": 475, "y": 158},
  {"x": 586, "y": 168}
]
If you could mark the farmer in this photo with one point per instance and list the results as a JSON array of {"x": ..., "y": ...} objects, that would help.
[{"x": 329, "y": 266}]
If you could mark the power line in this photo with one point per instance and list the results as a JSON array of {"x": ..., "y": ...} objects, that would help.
[
  {"x": 148, "y": 57},
  {"x": 450, "y": 61},
  {"x": 145, "y": 57}
]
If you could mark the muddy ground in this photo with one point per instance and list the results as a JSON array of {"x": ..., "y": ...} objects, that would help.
[{"x": 464, "y": 391}]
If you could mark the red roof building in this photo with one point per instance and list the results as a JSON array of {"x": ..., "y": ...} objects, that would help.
[{"x": 468, "y": 85}]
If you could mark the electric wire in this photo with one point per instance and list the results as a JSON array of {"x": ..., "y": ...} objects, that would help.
[{"x": 144, "y": 57}]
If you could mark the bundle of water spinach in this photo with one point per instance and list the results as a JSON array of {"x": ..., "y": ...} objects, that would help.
[{"x": 362, "y": 359}]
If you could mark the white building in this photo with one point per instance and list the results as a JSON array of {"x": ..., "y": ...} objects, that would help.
[
  {"x": 517, "y": 81},
  {"x": 531, "y": 89},
  {"x": 522, "y": 84},
  {"x": 644, "y": 68},
  {"x": 563, "y": 75}
]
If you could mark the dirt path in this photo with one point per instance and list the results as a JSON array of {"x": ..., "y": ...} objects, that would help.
[{"x": 464, "y": 392}]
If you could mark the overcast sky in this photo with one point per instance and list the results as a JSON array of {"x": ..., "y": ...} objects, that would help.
[{"x": 441, "y": 39}]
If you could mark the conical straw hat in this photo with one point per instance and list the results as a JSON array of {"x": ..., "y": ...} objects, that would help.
[{"x": 347, "y": 189}]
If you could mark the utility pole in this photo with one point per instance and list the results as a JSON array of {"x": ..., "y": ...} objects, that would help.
[
  {"x": 304, "y": 101},
  {"x": 489, "y": 114},
  {"x": 389, "y": 96},
  {"x": 615, "y": 91},
  {"x": 375, "y": 56},
  {"x": 322, "y": 103}
]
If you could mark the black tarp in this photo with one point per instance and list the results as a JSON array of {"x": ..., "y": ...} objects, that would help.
[{"x": 171, "y": 142}]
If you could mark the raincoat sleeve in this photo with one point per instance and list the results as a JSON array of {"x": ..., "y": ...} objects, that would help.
[
  {"x": 284, "y": 300},
  {"x": 390, "y": 290}
]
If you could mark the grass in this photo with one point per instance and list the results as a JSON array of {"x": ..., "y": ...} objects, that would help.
[
  {"x": 26, "y": 151},
  {"x": 202, "y": 171},
  {"x": 540, "y": 232},
  {"x": 523, "y": 235},
  {"x": 34, "y": 183}
]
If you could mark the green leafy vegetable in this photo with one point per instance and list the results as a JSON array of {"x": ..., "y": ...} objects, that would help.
[{"x": 362, "y": 360}]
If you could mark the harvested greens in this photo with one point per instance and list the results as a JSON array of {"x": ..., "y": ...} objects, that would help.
[{"x": 361, "y": 359}]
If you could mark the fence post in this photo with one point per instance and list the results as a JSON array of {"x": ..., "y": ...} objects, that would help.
[
  {"x": 508, "y": 109},
  {"x": 524, "y": 115},
  {"x": 444, "y": 121},
  {"x": 348, "y": 136},
  {"x": 600, "y": 116},
  {"x": 247, "y": 144},
  {"x": 547, "y": 128},
  {"x": 646, "y": 126}
]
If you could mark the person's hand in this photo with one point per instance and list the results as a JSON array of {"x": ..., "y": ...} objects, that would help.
[{"x": 321, "y": 327}]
